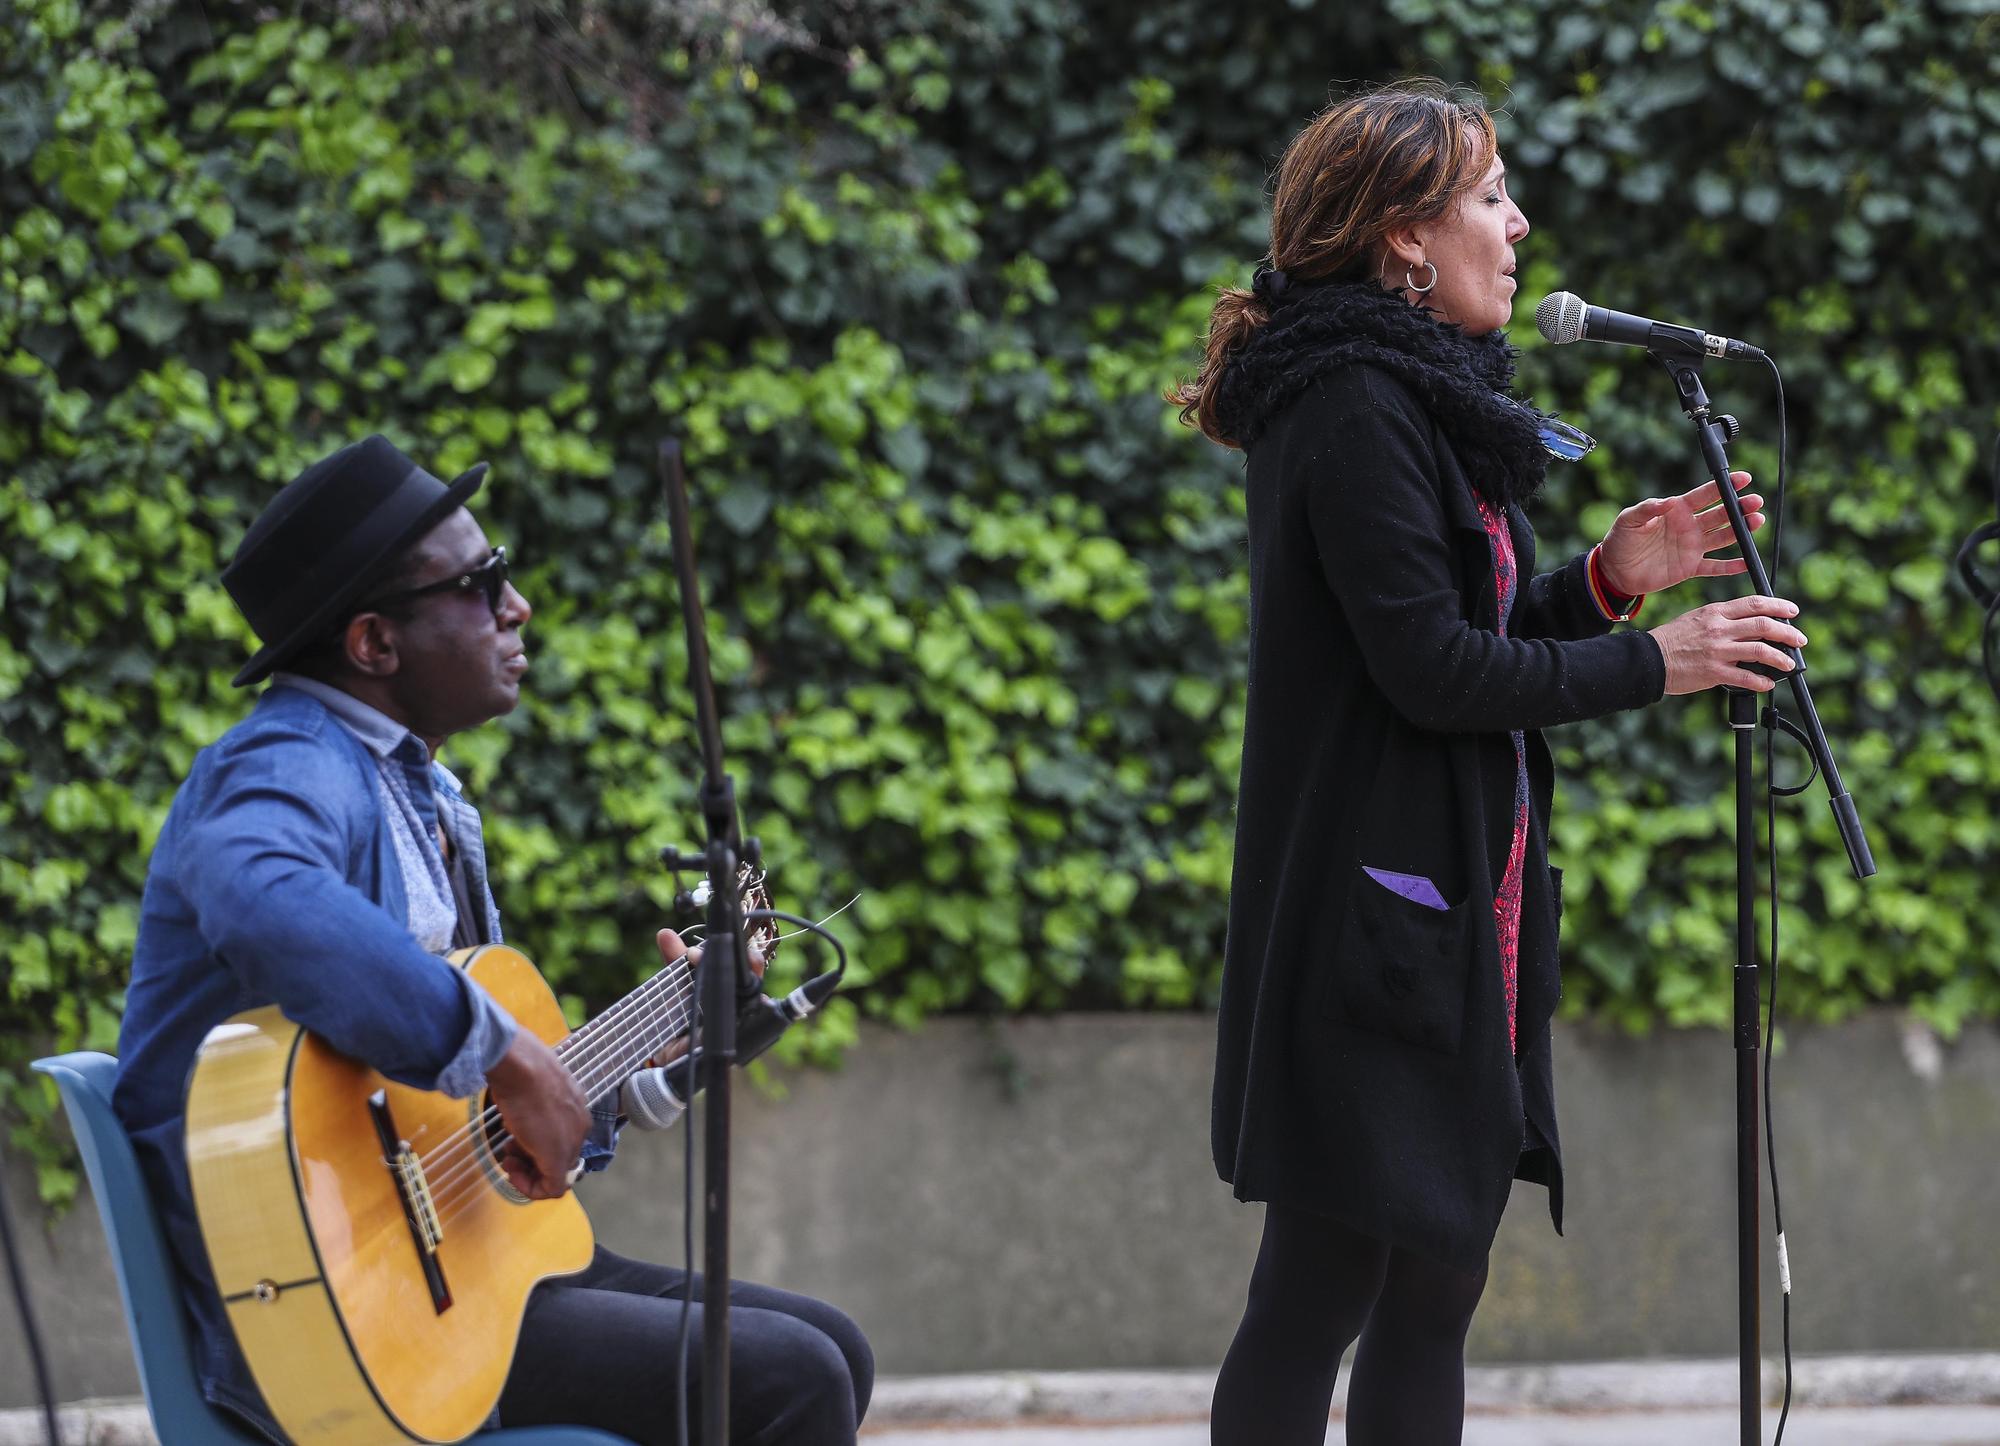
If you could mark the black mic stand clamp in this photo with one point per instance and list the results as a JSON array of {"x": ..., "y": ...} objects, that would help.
[{"x": 1713, "y": 432}]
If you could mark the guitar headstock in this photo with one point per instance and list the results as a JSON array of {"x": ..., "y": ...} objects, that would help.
[{"x": 753, "y": 886}]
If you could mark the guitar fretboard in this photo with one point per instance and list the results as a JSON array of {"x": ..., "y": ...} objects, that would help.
[{"x": 630, "y": 1032}]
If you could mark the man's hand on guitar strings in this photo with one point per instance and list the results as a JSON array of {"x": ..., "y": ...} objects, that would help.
[{"x": 545, "y": 1115}]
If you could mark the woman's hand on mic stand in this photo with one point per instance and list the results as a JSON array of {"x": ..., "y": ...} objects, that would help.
[
  {"x": 1665, "y": 540},
  {"x": 1707, "y": 647}
]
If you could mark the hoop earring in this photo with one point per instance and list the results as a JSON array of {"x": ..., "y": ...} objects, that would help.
[{"x": 1410, "y": 279}]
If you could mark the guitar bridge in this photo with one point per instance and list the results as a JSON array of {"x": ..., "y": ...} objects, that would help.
[{"x": 414, "y": 1191}]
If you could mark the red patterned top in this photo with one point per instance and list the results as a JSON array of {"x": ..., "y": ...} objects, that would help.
[{"x": 1507, "y": 899}]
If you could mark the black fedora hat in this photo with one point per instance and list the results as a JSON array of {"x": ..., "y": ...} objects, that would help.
[{"x": 325, "y": 537}]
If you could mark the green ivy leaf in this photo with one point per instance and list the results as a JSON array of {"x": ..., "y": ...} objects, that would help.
[
  {"x": 155, "y": 317},
  {"x": 744, "y": 506}
]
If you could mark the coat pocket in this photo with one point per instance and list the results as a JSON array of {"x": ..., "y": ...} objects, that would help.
[{"x": 1399, "y": 966}]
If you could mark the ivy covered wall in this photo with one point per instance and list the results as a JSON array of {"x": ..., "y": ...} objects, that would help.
[{"x": 909, "y": 280}]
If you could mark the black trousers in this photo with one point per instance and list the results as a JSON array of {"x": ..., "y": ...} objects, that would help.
[
  {"x": 598, "y": 1348},
  {"x": 1316, "y": 1286}
]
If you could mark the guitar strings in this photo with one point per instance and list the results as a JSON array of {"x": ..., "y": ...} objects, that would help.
[
  {"x": 601, "y": 1041},
  {"x": 590, "y": 1036},
  {"x": 609, "y": 1027},
  {"x": 597, "y": 1044},
  {"x": 583, "y": 1052},
  {"x": 469, "y": 1169},
  {"x": 764, "y": 936}
]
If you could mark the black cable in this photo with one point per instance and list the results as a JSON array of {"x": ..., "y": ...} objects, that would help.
[
  {"x": 1771, "y": 794},
  {"x": 840, "y": 952},
  {"x": 1770, "y": 1037},
  {"x": 19, "y": 1277}
]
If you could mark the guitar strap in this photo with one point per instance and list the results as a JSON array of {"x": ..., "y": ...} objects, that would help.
[
  {"x": 470, "y": 930},
  {"x": 463, "y": 853}
]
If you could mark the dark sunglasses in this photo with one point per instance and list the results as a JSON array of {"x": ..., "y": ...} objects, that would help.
[{"x": 490, "y": 577}]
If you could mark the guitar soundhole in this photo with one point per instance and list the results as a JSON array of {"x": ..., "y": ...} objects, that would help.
[{"x": 488, "y": 1135}]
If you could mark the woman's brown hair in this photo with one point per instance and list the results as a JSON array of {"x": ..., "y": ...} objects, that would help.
[{"x": 1395, "y": 156}]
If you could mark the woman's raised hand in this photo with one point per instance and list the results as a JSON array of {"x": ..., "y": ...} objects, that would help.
[
  {"x": 1704, "y": 648},
  {"x": 1664, "y": 540}
]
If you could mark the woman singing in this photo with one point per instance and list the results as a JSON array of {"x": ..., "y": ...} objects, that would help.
[{"x": 1382, "y": 1075}]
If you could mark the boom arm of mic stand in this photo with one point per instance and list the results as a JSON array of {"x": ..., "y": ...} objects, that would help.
[{"x": 1708, "y": 431}]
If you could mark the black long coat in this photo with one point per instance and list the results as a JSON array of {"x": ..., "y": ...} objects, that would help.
[{"x": 1363, "y": 1070}]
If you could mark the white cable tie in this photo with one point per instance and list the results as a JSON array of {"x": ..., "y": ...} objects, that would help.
[{"x": 1784, "y": 1265}]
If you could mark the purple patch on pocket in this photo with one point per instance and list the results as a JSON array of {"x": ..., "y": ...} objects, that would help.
[{"x": 1414, "y": 887}]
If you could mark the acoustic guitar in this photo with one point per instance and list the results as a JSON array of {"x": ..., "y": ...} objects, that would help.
[{"x": 373, "y": 1260}]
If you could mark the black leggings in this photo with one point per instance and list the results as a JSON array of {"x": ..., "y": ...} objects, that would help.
[{"x": 1317, "y": 1286}]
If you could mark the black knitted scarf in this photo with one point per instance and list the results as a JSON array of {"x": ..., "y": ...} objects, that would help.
[{"x": 1461, "y": 380}]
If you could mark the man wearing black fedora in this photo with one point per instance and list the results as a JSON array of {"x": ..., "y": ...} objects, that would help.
[{"x": 319, "y": 858}]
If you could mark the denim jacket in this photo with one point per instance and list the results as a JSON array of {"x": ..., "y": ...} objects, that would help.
[{"x": 275, "y": 880}]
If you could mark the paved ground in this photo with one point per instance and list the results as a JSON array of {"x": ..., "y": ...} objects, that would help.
[
  {"x": 1875, "y": 1426},
  {"x": 124, "y": 1424},
  {"x": 1950, "y": 1399}
]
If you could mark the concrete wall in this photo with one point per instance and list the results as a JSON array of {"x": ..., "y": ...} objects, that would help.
[{"x": 1037, "y": 1193}]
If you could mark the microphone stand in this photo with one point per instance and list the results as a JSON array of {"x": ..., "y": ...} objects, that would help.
[
  {"x": 1713, "y": 433},
  {"x": 725, "y": 976}
]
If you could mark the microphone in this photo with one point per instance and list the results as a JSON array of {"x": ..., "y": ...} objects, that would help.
[
  {"x": 1565, "y": 317},
  {"x": 654, "y": 1099}
]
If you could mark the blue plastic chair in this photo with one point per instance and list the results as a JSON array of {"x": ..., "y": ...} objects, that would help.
[{"x": 162, "y": 1341}]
